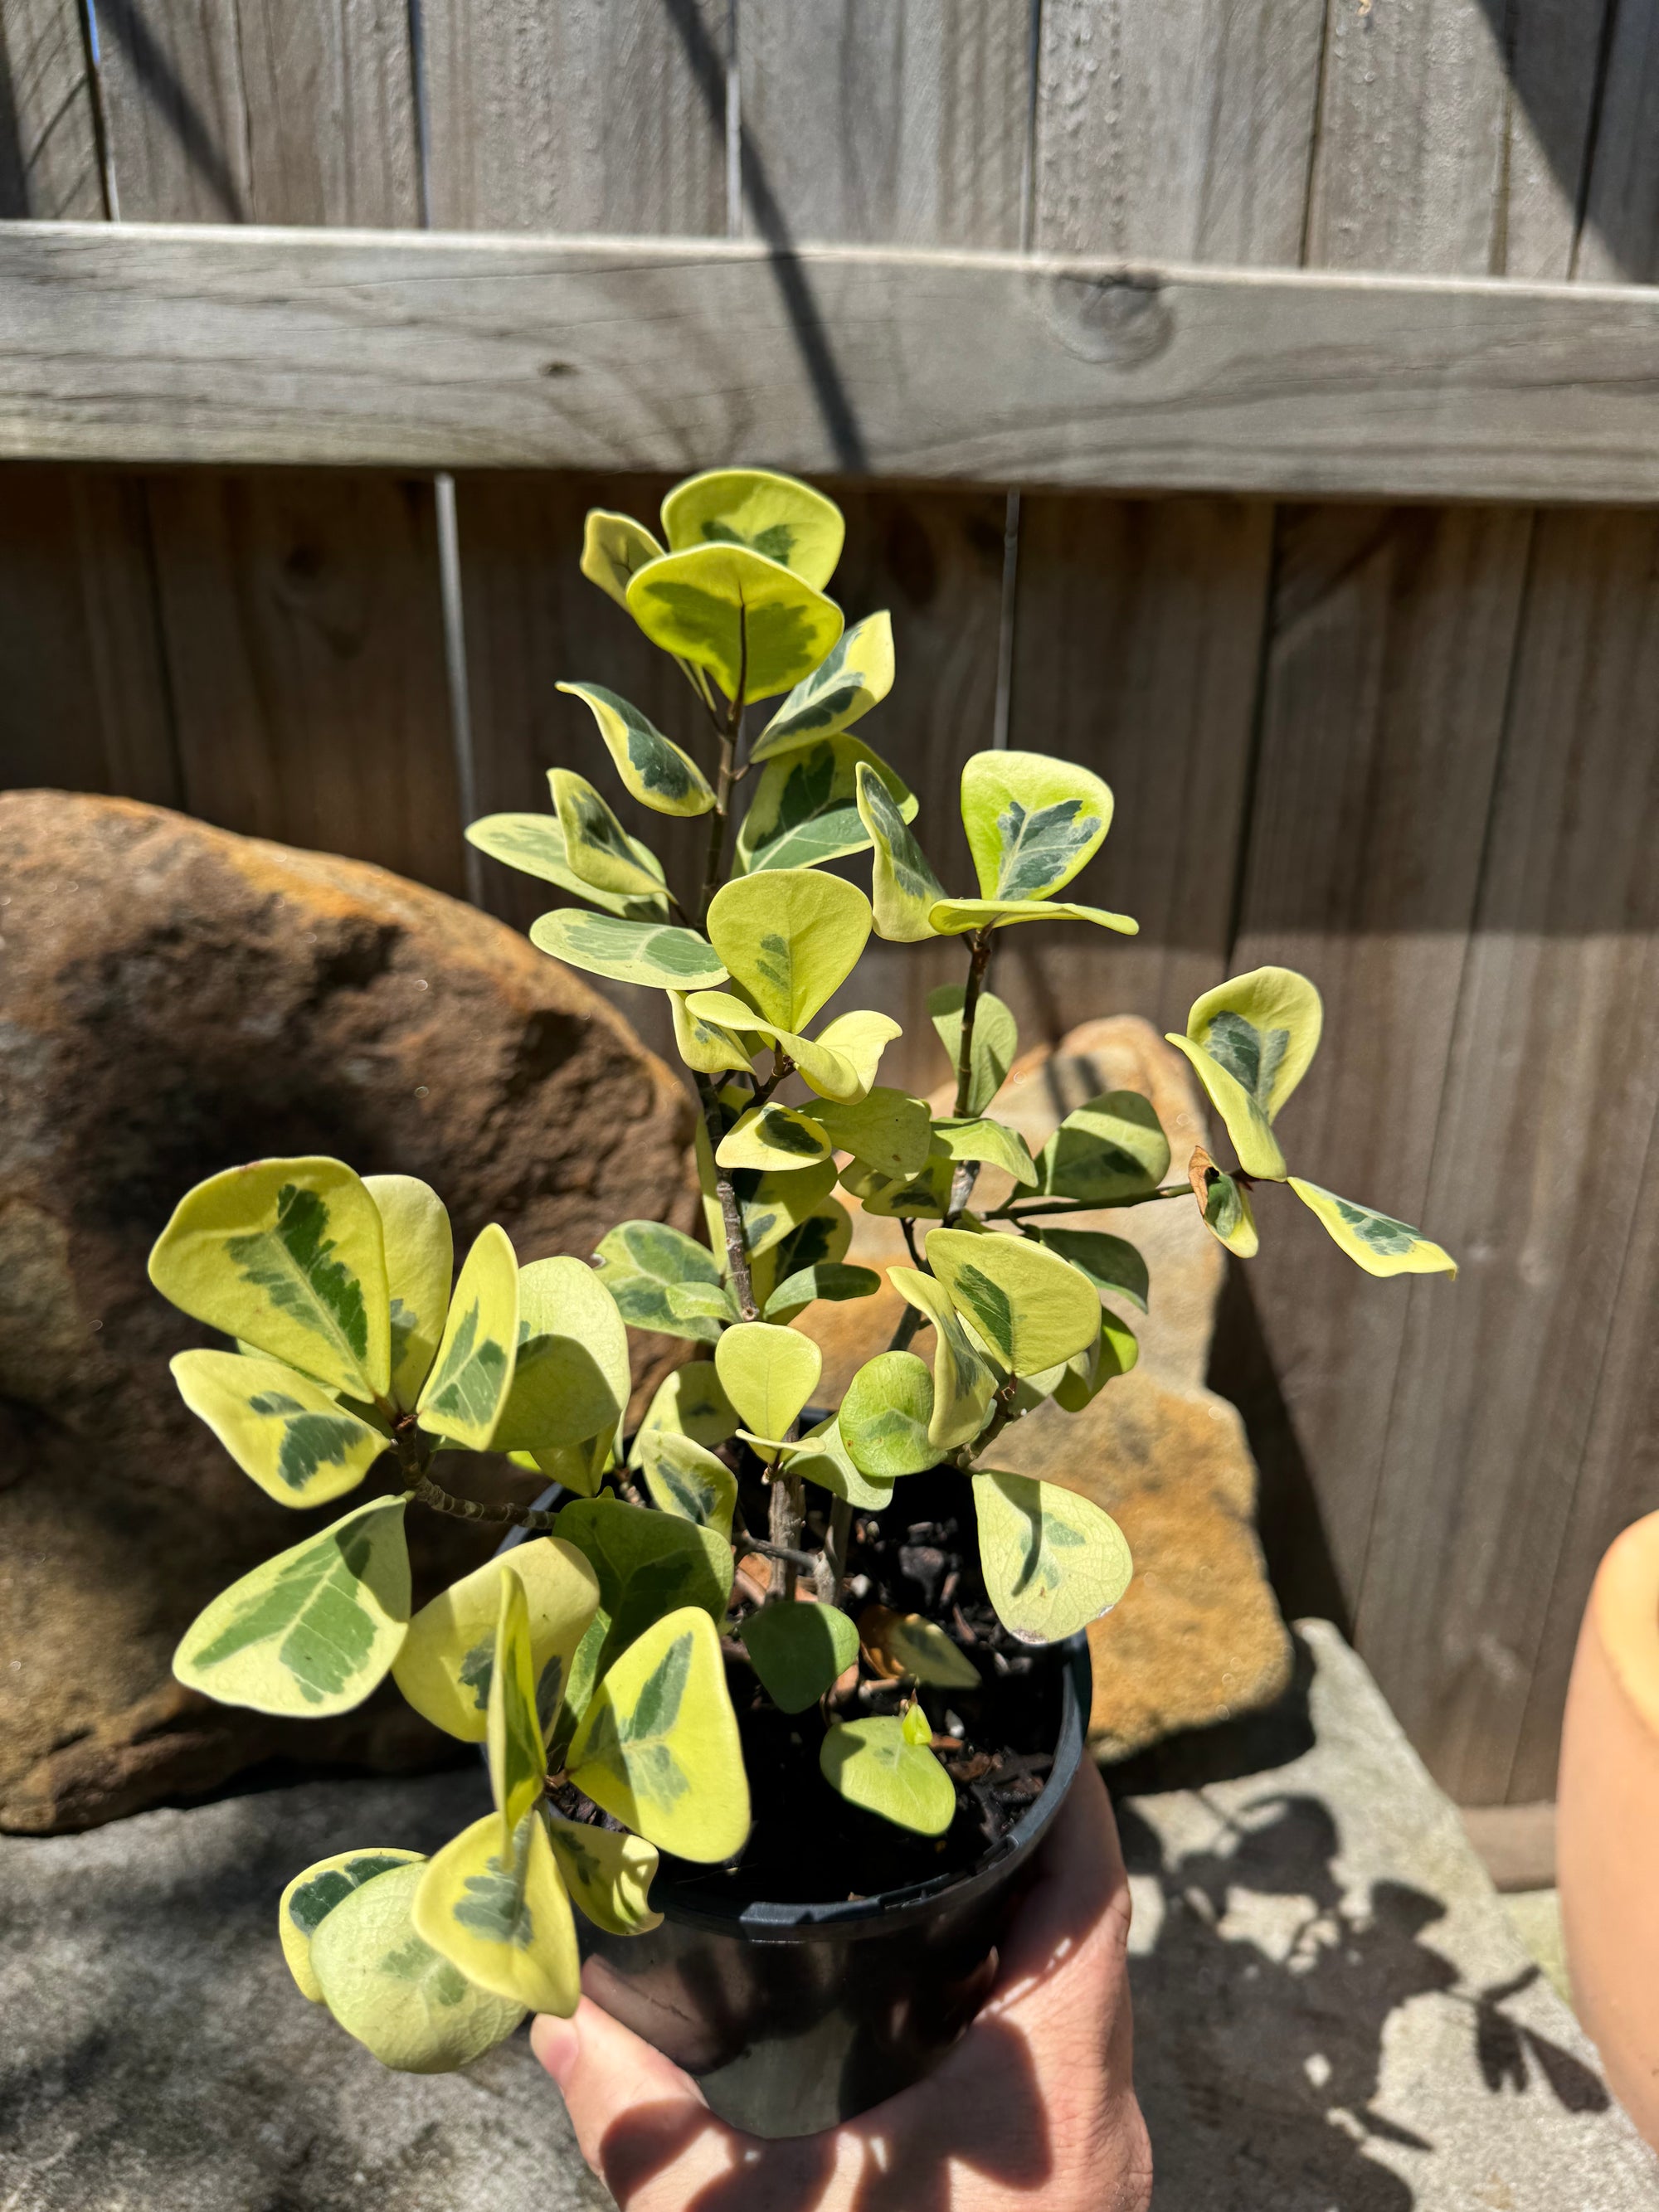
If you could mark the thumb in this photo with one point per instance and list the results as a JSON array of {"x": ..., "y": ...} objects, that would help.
[{"x": 633, "y": 2111}]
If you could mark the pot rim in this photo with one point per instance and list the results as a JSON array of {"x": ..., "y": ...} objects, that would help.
[{"x": 700, "y": 1904}]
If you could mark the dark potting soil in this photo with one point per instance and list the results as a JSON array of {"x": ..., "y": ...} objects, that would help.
[{"x": 808, "y": 1845}]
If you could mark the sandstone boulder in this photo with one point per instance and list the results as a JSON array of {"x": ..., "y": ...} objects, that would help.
[
  {"x": 172, "y": 1001},
  {"x": 1198, "y": 1638}
]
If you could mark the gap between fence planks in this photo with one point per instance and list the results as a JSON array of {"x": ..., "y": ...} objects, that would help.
[{"x": 157, "y": 343}]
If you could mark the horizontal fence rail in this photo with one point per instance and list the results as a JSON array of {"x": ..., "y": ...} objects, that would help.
[{"x": 155, "y": 343}]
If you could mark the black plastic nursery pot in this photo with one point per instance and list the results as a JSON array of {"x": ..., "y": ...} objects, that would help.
[{"x": 793, "y": 2017}]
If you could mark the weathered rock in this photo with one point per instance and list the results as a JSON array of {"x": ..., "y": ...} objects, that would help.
[
  {"x": 1198, "y": 1638},
  {"x": 172, "y": 1001},
  {"x": 1332, "y": 2007},
  {"x": 158, "y": 2055}
]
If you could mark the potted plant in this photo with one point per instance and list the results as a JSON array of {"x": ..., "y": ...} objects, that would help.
[{"x": 778, "y": 1698}]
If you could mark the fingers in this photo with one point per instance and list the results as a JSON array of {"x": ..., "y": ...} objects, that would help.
[{"x": 633, "y": 2111}]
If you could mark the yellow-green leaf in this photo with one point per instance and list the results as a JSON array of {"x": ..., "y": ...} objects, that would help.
[
  {"x": 805, "y": 810},
  {"x": 420, "y": 1266},
  {"x": 875, "y": 1765},
  {"x": 705, "y": 1046},
  {"x": 571, "y": 1380},
  {"x": 1253, "y": 1140},
  {"x": 1111, "y": 1263},
  {"x": 903, "y": 889},
  {"x": 772, "y": 1202},
  {"x": 1053, "y": 1561},
  {"x": 887, "y": 1129},
  {"x": 855, "y": 675},
  {"x": 313, "y": 1631},
  {"x": 660, "y": 1279},
  {"x": 1263, "y": 1029},
  {"x": 385, "y": 1983},
  {"x": 658, "y": 1746},
  {"x": 827, "y": 1281},
  {"x": 954, "y": 917},
  {"x": 1373, "y": 1241},
  {"x": 911, "y": 1645},
  {"x": 656, "y": 770},
  {"x": 1027, "y": 1305},
  {"x": 885, "y": 1416},
  {"x": 987, "y": 1141},
  {"x": 615, "y": 548},
  {"x": 662, "y": 957},
  {"x": 685, "y": 1480},
  {"x": 772, "y": 1136},
  {"x": 647, "y": 1563},
  {"x": 470, "y": 1378},
  {"x": 768, "y": 1374},
  {"x": 775, "y": 515},
  {"x": 497, "y": 1910},
  {"x": 963, "y": 1386},
  {"x": 822, "y": 1457},
  {"x": 1032, "y": 823},
  {"x": 799, "y": 1650},
  {"x": 922, "y": 1197},
  {"x": 1111, "y": 1148},
  {"x": 447, "y": 1662},
  {"x": 534, "y": 845},
  {"x": 996, "y": 1040},
  {"x": 512, "y": 1725},
  {"x": 608, "y": 1875},
  {"x": 312, "y": 1896},
  {"x": 287, "y": 1256},
  {"x": 820, "y": 1240},
  {"x": 577, "y": 1467},
  {"x": 690, "y": 1402},
  {"x": 1086, "y": 1373},
  {"x": 789, "y": 939},
  {"x": 752, "y": 623},
  {"x": 845, "y": 1054},
  {"x": 596, "y": 845},
  {"x": 1225, "y": 1205},
  {"x": 299, "y": 1445}
]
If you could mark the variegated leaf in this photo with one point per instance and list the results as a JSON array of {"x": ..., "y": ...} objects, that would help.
[
  {"x": 313, "y": 1895},
  {"x": 287, "y": 1256},
  {"x": 655, "y": 954},
  {"x": 312, "y": 1631},
  {"x": 607, "y": 1875},
  {"x": 855, "y": 675},
  {"x": 447, "y": 1662},
  {"x": 655, "y": 769},
  {"x": 498, "y": 1911},
  {"x": 775, "y": 515},
  {"x": 472, "y": 1374},
  {"x": 299, "y": 1445},
  {"x": 420, "y": 1266}
]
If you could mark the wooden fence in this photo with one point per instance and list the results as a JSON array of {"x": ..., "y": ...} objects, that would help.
[{"x": 1406, "y": 744}]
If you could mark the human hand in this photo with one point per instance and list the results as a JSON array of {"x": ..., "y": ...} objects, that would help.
[{"x": 1035, "y": 2103}]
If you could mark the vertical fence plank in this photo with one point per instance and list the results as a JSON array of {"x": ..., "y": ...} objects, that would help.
[
  {"x": 1620, "y": 239},
  {"x": 299, "y": 613},
  {"x": 1551, "y": 1096},
  {"x": 590, "y": 115},
  {"x": 1179, "y": 132},
  {"x": 1140, "y": 627},
  {"x": 305, "y": 641},
  {"x": 82, "y": 690},
  {"x": 49, "y": 164},
  {"x": 905, "y": 125},
  {"x": 1182, "y": 132},
  {"x": 1428, "y": 160}
]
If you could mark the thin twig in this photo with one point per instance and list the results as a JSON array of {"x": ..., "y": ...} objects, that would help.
[
  {"x": 471, "y": 1509},
  {"x": 737, "y": 1252}
]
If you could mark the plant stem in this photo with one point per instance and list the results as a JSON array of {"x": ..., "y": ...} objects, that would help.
[
  {"x": 806, "y": 1560},
  {"x": 1011, "y": 1212},
  {"x": 470, "y": 1508},
  {"x": 789, "y": 1519},
  {"x": 731, "y": 739},
  {"x": 908, "y": 1322},
  {"x": 978, "y": 959},
  {"x": 832, "y": 1560},
  {"x": 736, "y": 1253}
]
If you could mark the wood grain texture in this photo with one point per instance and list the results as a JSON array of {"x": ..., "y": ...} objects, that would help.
[
  {"x": 1136, "y": 649},
  {"x": 1551, "y": 1097},
  {"x": 82, "y": 689},
  {"x": 589, "y": 115},
  {"x": 1452, "y": 136},
  {"x": 261, "y": 111},
  {"x": 1620, "y": 241},
  {"x": 49, "y": 164},
  {"x": 1176, "y": 133},
  {"x": 305, "y": 647},
  {"x": 903, "y": 125},
  {"x": 1387, "y": 662},
  {"x": 396, "y": 348}
]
